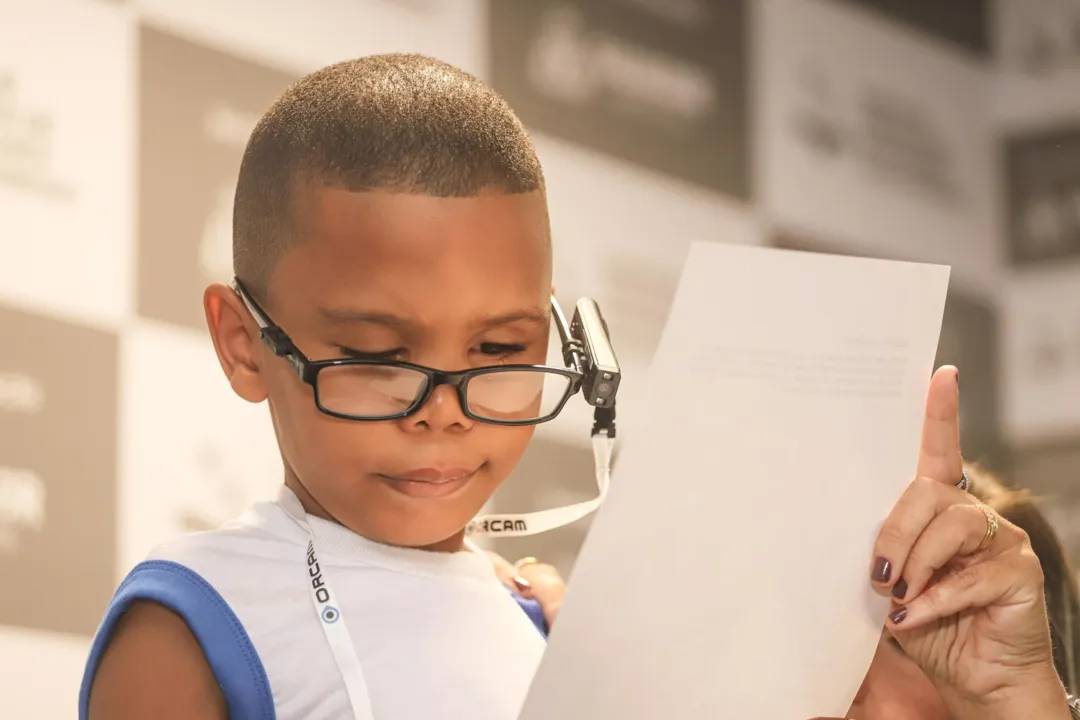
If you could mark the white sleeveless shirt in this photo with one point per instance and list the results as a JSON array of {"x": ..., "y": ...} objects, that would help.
[{"x": 437, "y": 634}]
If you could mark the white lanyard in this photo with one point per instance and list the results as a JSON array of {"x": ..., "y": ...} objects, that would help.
[
  {"x": 517, "y": 525},
  {"x": 329, "y": 610},
  {"x": 337, "y": 633}
]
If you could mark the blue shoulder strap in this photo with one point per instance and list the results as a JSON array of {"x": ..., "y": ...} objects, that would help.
[
  {"x": 226, "y": 645},
  {"x": 224, "y": 641}
]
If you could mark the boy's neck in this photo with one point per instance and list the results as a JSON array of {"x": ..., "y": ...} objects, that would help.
[{"x": 452, "y": 544}]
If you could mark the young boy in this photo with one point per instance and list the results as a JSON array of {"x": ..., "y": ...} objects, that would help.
[{"x": 389, "y": 210}]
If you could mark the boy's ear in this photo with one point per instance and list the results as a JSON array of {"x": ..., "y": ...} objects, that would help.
[{"x": 236, "y": 341}]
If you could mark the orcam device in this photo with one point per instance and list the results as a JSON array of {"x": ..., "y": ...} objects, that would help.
[{"x": 601, "y": 369}]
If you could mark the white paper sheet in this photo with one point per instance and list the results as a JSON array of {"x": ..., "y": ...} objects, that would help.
[{"x": 728, "y": 574}]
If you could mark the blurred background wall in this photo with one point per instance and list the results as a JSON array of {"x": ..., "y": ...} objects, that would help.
[{"x": 935, "y": 131}]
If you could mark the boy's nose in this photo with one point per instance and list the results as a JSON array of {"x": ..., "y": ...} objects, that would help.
[{"x": 442, "y": 412}]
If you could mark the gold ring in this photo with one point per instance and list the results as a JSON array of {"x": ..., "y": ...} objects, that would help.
[
  {"x": 991, "y": 527},
  {"x": 525, "y": 561}
]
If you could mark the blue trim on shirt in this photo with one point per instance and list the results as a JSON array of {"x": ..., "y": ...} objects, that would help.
[
  {"x": 226, "y": 645},
  {"x": 534, "y": 612}
]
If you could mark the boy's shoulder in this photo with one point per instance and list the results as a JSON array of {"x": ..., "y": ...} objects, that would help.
[
  {"x": 228, "y": 586},
  {"x": 263, "y": 532},
  {"x": 255, "y": 553}
]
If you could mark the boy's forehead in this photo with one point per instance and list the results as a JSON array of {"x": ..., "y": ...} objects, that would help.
[
  {"x": 340, "y": 210},
  {"x": 400, "y": 248}
]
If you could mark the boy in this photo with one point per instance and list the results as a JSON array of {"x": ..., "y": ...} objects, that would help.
[
  {"x": 390, "y": 210},
  {"x": 390, "y": 224}
]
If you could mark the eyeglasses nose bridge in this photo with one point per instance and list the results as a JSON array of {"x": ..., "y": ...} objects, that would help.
[{"x": 455, "y": 381}]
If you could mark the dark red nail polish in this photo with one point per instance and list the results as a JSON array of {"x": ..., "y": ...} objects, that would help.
[
  {"x": 897, "y": 616},
  {"x": 882, "y": 570},
  {"x": 900, "y": 589}
]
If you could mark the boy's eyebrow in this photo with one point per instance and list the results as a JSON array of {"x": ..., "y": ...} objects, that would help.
[
  {"x": 532, "y": 316},
  {"x": 348, "y": 316}
]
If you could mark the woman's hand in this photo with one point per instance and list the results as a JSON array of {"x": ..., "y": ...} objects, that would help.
[
  {"x": 533, "y": 579},
  {"x": 968, "y": 601}
]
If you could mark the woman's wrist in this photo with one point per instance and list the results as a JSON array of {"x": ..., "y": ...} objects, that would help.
[{"x": 1043, "y": 697}]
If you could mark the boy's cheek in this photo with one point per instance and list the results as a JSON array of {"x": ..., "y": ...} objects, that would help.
[
  {"x": 343, "y": 446},
  {"x": 504, "y": 446}
]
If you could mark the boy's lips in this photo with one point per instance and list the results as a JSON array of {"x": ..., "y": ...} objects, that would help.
[
  {"x": 430, "y": 482},
  {"x": 433, "y": 475}
]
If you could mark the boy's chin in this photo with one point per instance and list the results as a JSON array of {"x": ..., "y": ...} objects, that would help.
[
  {"x": 423, "y": 524},
  {"x": 450, "y": 537}
]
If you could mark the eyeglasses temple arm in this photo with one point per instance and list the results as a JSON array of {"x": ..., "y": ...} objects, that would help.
[
  {"x": 261, "y": 318},
  {"x": 573, "y": 351}
]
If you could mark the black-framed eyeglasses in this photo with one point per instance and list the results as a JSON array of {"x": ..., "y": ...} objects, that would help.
[{"x": 375, "y": 390}]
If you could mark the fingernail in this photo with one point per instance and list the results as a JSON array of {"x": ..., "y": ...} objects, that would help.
[
  {"x": 897, "y": 616},
  {"x": 882, "y": 570},
  {"x": 522, "y": 584},
  {"x": 900, "y": 589},
  {"x": 958, "y": 379}
]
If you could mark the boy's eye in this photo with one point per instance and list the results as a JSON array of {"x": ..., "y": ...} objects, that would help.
[
  {"x": 379, "y": 356},
  {"x": 501, "y": 349}
]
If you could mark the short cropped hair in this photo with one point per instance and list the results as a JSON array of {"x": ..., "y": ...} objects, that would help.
[{"x": 397, "y": 122}]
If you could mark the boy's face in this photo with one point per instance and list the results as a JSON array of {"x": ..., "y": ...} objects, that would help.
[{"x": 450, "y": 283}]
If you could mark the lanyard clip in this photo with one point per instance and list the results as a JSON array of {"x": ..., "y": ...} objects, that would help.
[{"x": 604, "y": 422}]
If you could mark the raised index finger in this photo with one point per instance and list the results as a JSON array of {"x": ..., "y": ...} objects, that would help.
[{"x": 939, "y": 455}]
